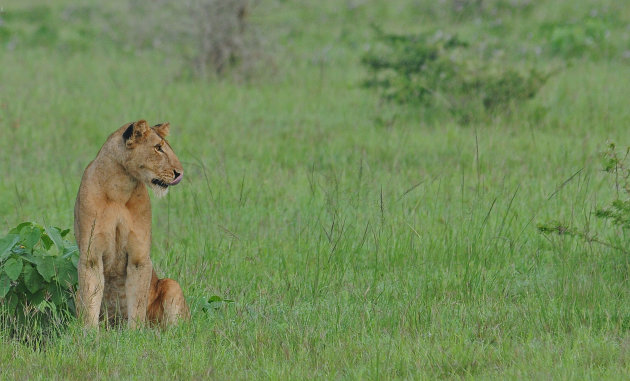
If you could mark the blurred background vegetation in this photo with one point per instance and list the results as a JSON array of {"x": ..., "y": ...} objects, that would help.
[{"x": 463, "y": 57}]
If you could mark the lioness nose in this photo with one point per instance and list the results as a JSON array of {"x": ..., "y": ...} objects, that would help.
[{"x": 178, "y": 177}]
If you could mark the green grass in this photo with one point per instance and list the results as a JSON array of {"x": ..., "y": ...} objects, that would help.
[{"x": 359, "y": 239}]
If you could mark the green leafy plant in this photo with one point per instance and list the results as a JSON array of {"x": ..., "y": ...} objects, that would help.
[
  {"x": 435, "y": 69},
  {"x": 214, "y": 303},
  {"x": 616, "y": 164},
  {"x": 617, "y": 213},
  {"x": 588, "y": 36},
  {"x": 38, "y": 275}
]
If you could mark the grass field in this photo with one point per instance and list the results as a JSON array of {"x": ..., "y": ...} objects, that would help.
[{"x": 359, "y": 239}]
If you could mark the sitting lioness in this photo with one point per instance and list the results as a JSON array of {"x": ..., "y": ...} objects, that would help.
[{"x": 112, "y": 224}]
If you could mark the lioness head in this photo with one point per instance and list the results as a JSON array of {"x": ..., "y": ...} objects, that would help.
[{"x": 149, "y": 158}]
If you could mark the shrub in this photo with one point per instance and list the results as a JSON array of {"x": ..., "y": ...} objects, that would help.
[
  {"x": 38, "y": 277},
  {"x": 588, "y": 36},
  {"x": 617, "y": 213},
  {"x": 211, "y": 35},
  {"x": 431, "y": 70},
  {"x": 616, "y": 164}
]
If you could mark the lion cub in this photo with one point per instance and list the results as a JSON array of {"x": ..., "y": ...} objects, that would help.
[{"x": 112, "y": 225}]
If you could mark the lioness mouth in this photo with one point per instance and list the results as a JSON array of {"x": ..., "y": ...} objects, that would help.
[{"x": 160, "y": 183}]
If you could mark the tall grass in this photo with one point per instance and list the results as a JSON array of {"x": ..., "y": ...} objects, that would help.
[{"x": 358, "y": 239}]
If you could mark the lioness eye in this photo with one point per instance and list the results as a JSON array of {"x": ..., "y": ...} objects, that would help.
[{"x": 159, "y": 148}]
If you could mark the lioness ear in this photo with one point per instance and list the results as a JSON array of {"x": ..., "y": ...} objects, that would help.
[
  {"x": 135, "y": 133},
  {"x": 162, "y": 129}
]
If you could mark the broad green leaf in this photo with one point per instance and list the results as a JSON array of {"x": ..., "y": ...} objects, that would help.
[
  {"x": 29, "y": 236},
  {"x": 19, "y": 250},
  {"x": 217, "y": 298},
  {"x": 64, "y": 232},
  {"x": 6, "y": 244},
  {"x": 75, "y": 260},
  {"x": 53, "y": 233},
  {"x": 66, "y": 272},
  {"x": 70, "y": 249},
  {"x": 33, "y": 281},
  {"x": 18, "y": 229},
  {"x": 215, "y": 302},
  {"x": 71, "y": 306},
  {"x": 46, "y": 268},
  {"x": 37, "y": 298},
  {"x": 13, "y": 268},
  {"x": 56, "y": 294},
  {"x": 38, "y": 255},
  {"x": 43, "y": 306},
  {"x": 5, "y": 285},
  {"x": 30, "y": 258},
  {"x": 47, "y": 241}
]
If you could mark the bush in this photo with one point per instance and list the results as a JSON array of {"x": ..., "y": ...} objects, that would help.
[
  {"x": 211, "y": 35},
  {"x": 616, "y": 164},
  {"x": 587, "y": 37},
  {"x": 617, "y": 213},
  {"x": 38, "y": 277},
  {"x": 438, "y": 69}
]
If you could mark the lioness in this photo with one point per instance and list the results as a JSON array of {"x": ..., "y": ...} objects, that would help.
[{"x": 112, "y": 224}]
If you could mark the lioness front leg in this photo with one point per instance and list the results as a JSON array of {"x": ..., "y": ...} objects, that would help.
[
  {"x": 139, "y": 270},
  {"x": 91, "y": 280}
]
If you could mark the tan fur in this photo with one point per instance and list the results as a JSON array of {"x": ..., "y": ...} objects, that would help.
[{"x": 112, "y": 225}]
